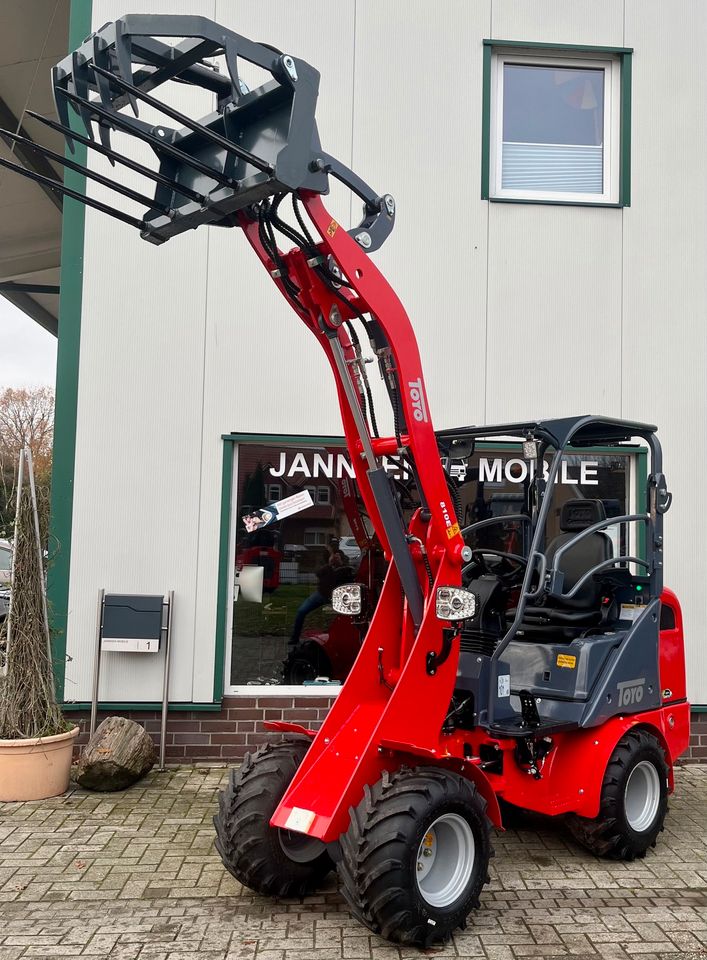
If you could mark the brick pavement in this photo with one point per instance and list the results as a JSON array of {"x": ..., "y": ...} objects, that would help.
[{"x": 135, "y": 875}]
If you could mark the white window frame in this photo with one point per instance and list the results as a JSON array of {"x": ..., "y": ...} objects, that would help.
[
  {"x": 274, "y": 497},
  {"x": 314, "y": 532},
  {"x": 612, "y": 125},
  {"x": 324, "y": 496}
]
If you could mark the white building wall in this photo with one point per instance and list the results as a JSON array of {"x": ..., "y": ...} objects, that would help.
[{"x": 521, "y": 310}]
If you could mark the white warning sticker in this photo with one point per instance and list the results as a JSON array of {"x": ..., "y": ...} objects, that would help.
[
  {"x": 300, "y": 820},
  {"x": 631, "y": 611},
  {"x": 504, "y": 685}
]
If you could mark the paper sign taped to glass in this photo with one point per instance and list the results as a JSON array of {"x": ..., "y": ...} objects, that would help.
[{"x": 264, "y": 516}]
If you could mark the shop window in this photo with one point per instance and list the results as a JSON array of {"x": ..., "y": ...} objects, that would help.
[
  {"x": 556, "y": 125},
  {"x": 295, "y": 552},
  {"x": 295, "y": 549}
]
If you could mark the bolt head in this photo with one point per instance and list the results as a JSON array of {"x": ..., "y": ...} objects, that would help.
[{"x": 364, "y": 239}]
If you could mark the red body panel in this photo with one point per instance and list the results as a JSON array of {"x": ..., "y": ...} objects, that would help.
[
  {"x": 573, "y": 772},
  {"x": 672, "y": 652}
]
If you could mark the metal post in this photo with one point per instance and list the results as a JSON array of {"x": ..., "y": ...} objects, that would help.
[
  {"x": 97, "y": 661},
  {"x": 165, "y": 684}
]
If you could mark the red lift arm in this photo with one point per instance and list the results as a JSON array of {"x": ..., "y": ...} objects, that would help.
[{"x": 234, "y": 168}]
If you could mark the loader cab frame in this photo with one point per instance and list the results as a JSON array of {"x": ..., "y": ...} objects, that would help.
[{"x": 552, "y": 619}]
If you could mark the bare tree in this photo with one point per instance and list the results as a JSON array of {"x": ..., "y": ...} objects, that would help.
[{"x": 26, "y": 418}]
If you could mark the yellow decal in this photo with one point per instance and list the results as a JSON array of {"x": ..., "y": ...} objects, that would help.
[
  {"x": 565, "y": 660},
  {"x": 332, "y": 228},
  {"x": 453, "y": 530}
]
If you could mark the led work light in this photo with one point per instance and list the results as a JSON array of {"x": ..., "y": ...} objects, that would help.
[
  {"x": 348, "y": 598},
  {"x": 455, "y": 603}
]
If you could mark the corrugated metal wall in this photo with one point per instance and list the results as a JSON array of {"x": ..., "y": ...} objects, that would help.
[{"x": 521, "y": 310}]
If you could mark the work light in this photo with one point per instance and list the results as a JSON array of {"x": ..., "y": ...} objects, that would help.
[
  {"x": 348, "y": 599},
  {"x": 455, "y": 603}
]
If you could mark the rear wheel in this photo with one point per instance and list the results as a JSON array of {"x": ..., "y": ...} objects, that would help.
[
  {"x": 415, "y": 857},
  {"x": 279, "y": 863},
  {"x": 634, "y": 801}
]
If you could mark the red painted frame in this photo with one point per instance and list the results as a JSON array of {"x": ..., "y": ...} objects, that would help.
[{"x": 374, "y": 726}]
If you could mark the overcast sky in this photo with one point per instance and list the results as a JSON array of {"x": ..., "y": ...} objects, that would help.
[{"x": 27, "y": 351}]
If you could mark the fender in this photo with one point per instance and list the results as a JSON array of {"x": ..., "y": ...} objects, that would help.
[
  {"x": 584, "y": 754},
  {"x": 465, "y": 768}
]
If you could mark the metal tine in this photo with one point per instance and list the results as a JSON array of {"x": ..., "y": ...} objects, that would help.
[
  {"x": 126, "y": 161},
  {"x": 123, "y": 123},
  {"x": 98, "y": 177},
  {"x": 75, "y": 195},
  {"x": 203, "y": 131}
]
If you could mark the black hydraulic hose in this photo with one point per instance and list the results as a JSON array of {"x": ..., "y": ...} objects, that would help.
[
  {"x": 275, "y": 222},
  {"x": 301, "y": 221},
  {"x": 269, "y": 244}
]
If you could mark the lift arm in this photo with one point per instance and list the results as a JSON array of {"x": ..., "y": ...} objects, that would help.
[{"x": 237, "y": 166}]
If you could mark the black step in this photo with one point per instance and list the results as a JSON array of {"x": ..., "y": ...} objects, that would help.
[{"x": 516, "y": 727}]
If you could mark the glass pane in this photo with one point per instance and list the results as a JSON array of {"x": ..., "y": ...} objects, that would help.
[
  {"x": 495, "y": 485},
  {"x": 553, "y": 128},
  {"x": 289, "y": 632},
  {"x": 5, "y": 558}
]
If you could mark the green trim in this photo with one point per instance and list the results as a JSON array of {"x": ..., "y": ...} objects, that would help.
[
  {"x": 625, "y": 56},
  {"x": 486, "y": 122},
  {"x": 176, "y": 707},
  {"x": 625, "y": 131},
  {"x": 587, "y": 48},
  {"x": 67, "y": 382},
  {"x": 223, "y": 568},
  {"x": 341, "y": 442},
  {"x": 698, "y": 708},
  {"x": 282, "y": 438}
]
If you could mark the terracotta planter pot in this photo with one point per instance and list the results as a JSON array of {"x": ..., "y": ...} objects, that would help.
[{"x": 36, "y": 769}]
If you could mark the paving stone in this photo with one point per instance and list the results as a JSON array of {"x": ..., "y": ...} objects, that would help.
[{"x": 136, "y": 877}]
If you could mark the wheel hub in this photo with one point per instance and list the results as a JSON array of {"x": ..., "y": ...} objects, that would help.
[
  {"x": 300, "y": 848},
  {"x": 445, "y": 860},
  {"x": 642, "y": 796}
]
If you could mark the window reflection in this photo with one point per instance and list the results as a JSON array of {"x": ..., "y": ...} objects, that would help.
[{"x": 289, "y": 633}]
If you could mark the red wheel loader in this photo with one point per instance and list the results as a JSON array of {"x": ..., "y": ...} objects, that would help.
[{"x": 552, "y": 678}]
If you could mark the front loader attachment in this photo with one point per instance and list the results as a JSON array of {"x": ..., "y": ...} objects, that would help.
[
  {"x": 235, "y": 167},
  {"x": 255, "y": 144}
]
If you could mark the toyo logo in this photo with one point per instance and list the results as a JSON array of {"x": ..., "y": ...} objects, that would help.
[
  {"x": 419, "y": 407},
  {"x": 631, "y": 692}
]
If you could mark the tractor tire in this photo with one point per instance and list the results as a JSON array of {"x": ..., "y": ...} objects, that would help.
[
  {"x": 271, "y": 861},
  {"x": 307, "y": 661},
  {"x": 634, "y": 801},
  {"x": 416, "y": 855}
]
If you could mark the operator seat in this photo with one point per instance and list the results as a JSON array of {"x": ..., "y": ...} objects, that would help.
[{"x": 585, "y": 608}]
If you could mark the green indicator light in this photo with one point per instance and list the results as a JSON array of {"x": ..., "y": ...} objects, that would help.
[{"x": 638, "y": 588}]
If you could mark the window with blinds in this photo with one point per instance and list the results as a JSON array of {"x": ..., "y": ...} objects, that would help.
[{"x": 554, "y": 129}]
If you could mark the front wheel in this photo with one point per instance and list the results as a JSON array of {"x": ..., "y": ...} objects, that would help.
[
  {"x": 271, "y": 861},
  {"x": 415, "y": 857},
  {"x": 634, "y": 801}
]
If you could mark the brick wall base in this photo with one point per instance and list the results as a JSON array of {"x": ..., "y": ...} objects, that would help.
[{"x": 226, "y": 735}]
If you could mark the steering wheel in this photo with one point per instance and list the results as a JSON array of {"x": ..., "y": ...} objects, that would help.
[{"x": 478, "y": 558}]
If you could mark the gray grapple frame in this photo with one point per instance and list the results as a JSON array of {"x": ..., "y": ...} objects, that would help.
[{"x": 256, "y": 144}]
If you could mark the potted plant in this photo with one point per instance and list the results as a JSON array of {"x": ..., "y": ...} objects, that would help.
[{"x": 36, "y": 742}]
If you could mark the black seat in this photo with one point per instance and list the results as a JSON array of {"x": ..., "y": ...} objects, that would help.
[{"x": 585, "y": 608}]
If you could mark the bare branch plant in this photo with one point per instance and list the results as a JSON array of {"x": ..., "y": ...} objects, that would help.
[{"x": 28, "y": 707}]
